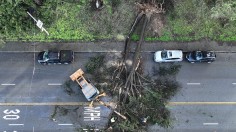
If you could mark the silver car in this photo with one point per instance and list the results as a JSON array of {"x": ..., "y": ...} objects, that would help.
[{"x": 168, "y": 56}]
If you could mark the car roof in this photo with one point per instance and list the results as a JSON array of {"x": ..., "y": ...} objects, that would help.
[
  {"x": 174, "y": 53},
  {"x": 53, "y": 55},
  {"x": 208, "y": 54}
]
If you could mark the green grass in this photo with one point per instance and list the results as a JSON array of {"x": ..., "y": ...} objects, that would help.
[
  {"x": 72, "y": 20},
  {"x": 76, "y": 21},
  {"x": 66, "y": 27},
  {"x": 191, "y": 20}
]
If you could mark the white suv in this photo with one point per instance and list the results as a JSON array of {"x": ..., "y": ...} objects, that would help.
[{"x": 168, "y": 56}]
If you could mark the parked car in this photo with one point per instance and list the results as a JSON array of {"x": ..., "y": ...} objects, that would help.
[
  {"x": 201, "y": 56},
  {"x": 168, "y": 56},
  {"x": 56, "y": 57}
]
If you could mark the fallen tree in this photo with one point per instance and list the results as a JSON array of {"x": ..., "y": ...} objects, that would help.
[
  {"x": 137, "y": 97},
  {"x": 132, "y": 85}
]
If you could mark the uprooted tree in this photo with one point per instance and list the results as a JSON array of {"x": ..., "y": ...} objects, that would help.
[
  {"x": 141, "y": 99},
  {"x": 133, "y": 83},
  {"x": 133, "y": 80},
  {"x": 140, "y": 96}
]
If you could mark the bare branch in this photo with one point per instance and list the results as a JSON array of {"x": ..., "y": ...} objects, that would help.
[{"x": 145, "y": 78}]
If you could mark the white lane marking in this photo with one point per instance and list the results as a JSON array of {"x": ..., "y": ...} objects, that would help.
[
  {"x": 6, "y": 84},
  {"x": 205, "y": 124},
  {"x": 16, "y": 124},
  {"x": 234, "y": 83},
  {"x": 193, "y": 83},
  {"x": 65, "y": 124},
  {"x": 54, "y": 84},
  {"x": 91, "y": 129}
]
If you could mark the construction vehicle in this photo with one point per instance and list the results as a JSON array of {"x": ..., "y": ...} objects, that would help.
[{"x": 89, "y": 90}]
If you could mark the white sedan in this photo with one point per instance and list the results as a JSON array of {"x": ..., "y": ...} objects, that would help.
[{"x": 168, "y": 56}]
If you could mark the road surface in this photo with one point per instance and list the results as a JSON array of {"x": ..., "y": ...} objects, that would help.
[
  {"x": 208, "y": 97},
  {"x": 39, "y": 88},
  {"x": 23, "y": 80}
]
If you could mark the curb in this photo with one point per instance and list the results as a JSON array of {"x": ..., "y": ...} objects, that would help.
[{"x": 104, "y": 51}]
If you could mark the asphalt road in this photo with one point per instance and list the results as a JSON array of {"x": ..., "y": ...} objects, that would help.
[
  {"x": 22, "y": 79},
  {"x": 31, "y": 119},
  {"x": 213, "y": 83}
]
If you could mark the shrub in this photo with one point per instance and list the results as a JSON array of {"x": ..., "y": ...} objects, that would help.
[
  {"x": 171, "y": 70},
  {"x": 94, "y": 63}
]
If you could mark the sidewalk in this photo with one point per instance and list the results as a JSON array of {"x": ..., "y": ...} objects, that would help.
[{"x": 113, "y": 46}]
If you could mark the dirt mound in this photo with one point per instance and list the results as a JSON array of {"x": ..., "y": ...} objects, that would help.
[{"x": 156, "y": 25}]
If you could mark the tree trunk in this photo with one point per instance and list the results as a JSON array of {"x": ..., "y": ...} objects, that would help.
[{"x": 129, "y": 82}]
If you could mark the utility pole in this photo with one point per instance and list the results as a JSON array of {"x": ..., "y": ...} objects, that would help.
[{"x": 39, "y": 24}]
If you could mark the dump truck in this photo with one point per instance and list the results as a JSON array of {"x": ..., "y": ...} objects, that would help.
[{"x": 89, "y": 90}]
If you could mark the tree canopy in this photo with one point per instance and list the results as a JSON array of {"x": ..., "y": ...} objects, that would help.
[
  {"x": 226, "y": 10},
  {"x": 14, "y": 17}
]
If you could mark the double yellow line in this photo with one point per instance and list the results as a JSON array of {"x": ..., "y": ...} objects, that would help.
[
  {"x": 52, "y": 104},
  {"x": 110, "y": 103},
  {"x": 202, "y": 103}
]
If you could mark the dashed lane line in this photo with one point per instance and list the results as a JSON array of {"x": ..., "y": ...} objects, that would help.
[
  {"x": 90, "y": 129},
  {"x": 193, "y": 83},
  {"x": 8, "y": 84},
  {"x": 54, "y": 84},
  {"x": 65, "y": 124},
  {"x": 208, "y": 124},
  {"x": 16, "y": 124}
]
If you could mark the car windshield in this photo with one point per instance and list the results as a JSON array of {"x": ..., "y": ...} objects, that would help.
[
  {"x": 198, "y": 55},
  {"x": 193, "y": 55},
  {"x": 164, "y": 54},
  {"x": 45, "y": 56}
]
